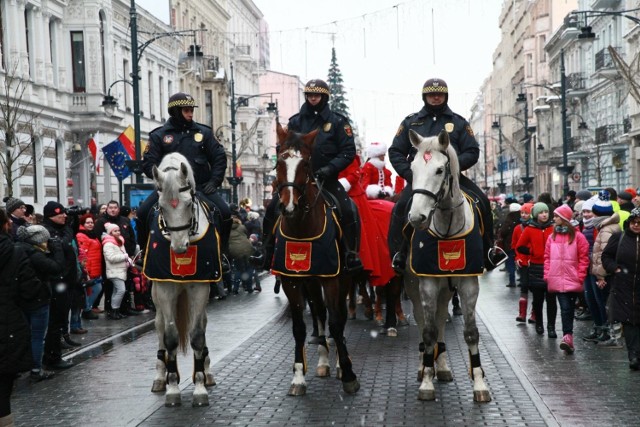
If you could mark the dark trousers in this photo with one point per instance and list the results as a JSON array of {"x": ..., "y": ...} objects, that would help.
[
  {"x": 213, "y": 200},
  {"x": 58, "y": 324},
  {"x": 348, "y": 215},
  {"x": 567, "y": 301},
  {"x": 396, "y": 239},
  {"x": 632, "y": 340},
  {"x": 6, "y": 386},
  {"x": 540, "y": 295}
]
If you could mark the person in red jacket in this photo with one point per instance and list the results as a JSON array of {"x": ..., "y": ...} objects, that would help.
[
  {"x": 566, "y": 264},
  {"x": 376, "y": 178},
  {"x": 530, "y": 252},
  {"x": 90, "y": 256},
  {"x": 525, "y": 217}
]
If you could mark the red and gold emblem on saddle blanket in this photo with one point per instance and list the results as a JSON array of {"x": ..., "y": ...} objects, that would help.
[
  {"x": 451, "y": 255},
  {"x": 185, "y": 264},
  {"x": 298, "y": 256}
]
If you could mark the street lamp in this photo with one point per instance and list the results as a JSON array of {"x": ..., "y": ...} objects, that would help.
[
  {"x": 243, "y": 101},
  {"x": 585, "y": 32},
  {"x": 110, "y": 104},
  {"x": 566, "y": 169},
  {"x": 502, "y": 187},
  {"x": 527, "y": 179}
]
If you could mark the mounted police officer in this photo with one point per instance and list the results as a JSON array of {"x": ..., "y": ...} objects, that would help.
[
  {"x": 433, "y": 118},
  {"x": 334, "y": 149},
  {"x": 207, "y": 157}
]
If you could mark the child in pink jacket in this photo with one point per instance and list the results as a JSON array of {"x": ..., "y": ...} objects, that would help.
[{"x": 566, "y": 264}]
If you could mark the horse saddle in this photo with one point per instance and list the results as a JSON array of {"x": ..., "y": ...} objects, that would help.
[
  {"x": 458, "y": 255},
  {"x": 309, "y": 256}
]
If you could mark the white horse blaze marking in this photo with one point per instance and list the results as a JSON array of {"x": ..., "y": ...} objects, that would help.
[{"x": 292, "y": 163}]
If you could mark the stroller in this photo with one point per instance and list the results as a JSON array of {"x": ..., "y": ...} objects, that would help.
[{"x": 138, "y": 287}]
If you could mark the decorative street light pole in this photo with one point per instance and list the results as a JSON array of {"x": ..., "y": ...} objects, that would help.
[
  {"x": 502, "y": 187},
  {"x": 234, "y": 180},
  {"x": 565, "y": 169},
  {"x": 527, "y": 179}
]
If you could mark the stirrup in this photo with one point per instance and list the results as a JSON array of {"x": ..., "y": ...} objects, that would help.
[
  {"x": 497, "y": 256},
  {"x": 226, "y": 265}
]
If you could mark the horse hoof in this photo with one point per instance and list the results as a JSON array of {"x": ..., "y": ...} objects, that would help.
[
  {"x": 339, "y": 373},
  {"x": 158, "y": 386},
  {"x": 352, "y": 316},
  {"x": 481, "y": 396},
  {"x": 172, "y": 400},
  {"x": 444, "y": 376},
  {"x": 403, "y": 322},
  {"x": 323, "y": 371},
  {"x": 200, "y": 400},
  {"x": 351, "y": 387},
  {"x": 426, "y": 395},
  {"x": 297, "y": 390},
  {"x": 209, "y": 381},
  {"x": 380, "y": 322}
]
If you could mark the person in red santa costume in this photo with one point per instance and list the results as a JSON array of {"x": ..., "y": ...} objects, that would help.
[{"x": 376, "y": 178}]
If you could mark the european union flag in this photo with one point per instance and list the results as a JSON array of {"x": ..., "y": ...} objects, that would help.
[{"x": 117, "y": 157}]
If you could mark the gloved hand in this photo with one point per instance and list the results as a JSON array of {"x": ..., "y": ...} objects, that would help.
[
  {"x": 209, "y": 187},
  {"x": 323, "y": 173}
]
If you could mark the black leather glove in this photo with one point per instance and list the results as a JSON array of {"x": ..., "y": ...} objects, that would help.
[
  {"x": 323, "y": 173},
  {"x": 209, "y": 188}
]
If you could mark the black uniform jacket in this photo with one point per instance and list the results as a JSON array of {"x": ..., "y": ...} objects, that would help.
[
  {"x": 194, "y": 141},
  {"x": 426, "y": 124},
  {"x": 334, "y": 146}
]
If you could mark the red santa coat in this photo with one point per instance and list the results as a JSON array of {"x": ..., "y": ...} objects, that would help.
[
  {"x": 373, "y": 244},
  {"x": 376, "y": 178}
]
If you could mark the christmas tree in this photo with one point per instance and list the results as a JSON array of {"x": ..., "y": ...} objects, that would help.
[{"x": 338, "y": 100}]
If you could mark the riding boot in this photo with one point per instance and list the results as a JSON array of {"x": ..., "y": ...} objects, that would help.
[
  {"x": 399, "y": 261},
  {"x": 351, "y": 244}
]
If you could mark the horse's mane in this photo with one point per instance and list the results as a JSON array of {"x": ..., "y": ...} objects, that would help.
[
  {"x": 171, "y": 165},
  {"x": 293, "y": 141}
]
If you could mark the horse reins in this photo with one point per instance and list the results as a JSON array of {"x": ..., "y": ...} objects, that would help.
[
  {"x": 437, "y": 197},
  {"x": 192, "y": 225}
]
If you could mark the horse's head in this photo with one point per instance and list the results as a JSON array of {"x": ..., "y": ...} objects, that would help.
[
  {"x": 293, "y": 170},
  {"x": 435, "y": 171},
  {"x": 176, "y": 185}
]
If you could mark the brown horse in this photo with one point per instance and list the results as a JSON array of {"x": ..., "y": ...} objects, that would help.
[{"x": 303, "y": 218}]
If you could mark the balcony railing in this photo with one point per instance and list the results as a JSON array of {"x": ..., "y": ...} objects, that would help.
[
  {"x": 576, "y": 81},
  {"x": 604, "y": 60}
]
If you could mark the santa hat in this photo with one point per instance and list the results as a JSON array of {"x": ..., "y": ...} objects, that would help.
[
  {"x": 376, "y": 149},
  {"x": 564, "y": 212}
]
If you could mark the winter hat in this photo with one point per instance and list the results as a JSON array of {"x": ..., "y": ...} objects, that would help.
[
  {"x": 604, "y": 195},
  {"x": 588, "y": 205},
  {"x": 631, "y": 191},
  {"x": 52, "y": 209},
  {"x": 564, "y": 212},
  {"x": 577, "y": 207},
  {"x": 110, "y": 227},
  {"x": 635, "y": 213},
  {"x": 626, "y": 196},
  {"x": 12, "y": 203},
  {"x": 539, "y": 208},
  {"x": 376, "y": 149},
  {"x": 583, "y": 195},
  {"x": 526, "y": 208},
  {"x": 514, "y": 207},
  {"x": 602, "y": 208},
  {"x": 526, "y": 197},
  {"x": 33, "y": 234},
  {"x": 30, "y": 210},
  {"x": 125, "y": 210}
]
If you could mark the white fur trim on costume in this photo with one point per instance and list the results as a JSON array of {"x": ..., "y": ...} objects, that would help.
[
  {"x": 345, "y": 184},
  {"x": 373, "y": 191},
  {"x": 379, "y": 164},
  {"x": 376, "y": 149},
  {"x": 388, "y": 190}
]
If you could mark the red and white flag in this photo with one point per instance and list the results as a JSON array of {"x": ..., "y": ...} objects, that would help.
[{"x": 96, "y": 152}]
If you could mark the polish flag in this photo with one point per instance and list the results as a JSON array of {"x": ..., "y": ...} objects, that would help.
[{"x": 96, "y": 152}]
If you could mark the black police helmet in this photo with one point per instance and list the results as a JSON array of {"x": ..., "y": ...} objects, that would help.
[
  {"x": 179, "y": 100},
  {"x": 435, "y": 85},
  {"x": 317, "y": 86}
]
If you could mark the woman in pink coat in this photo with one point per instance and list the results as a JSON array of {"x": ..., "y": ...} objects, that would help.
[{"x": 566, "y": 264}]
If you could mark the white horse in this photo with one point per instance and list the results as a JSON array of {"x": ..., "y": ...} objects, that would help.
[
  {"x": 181, "y": 315},
  {"x": 441, "y": 209}
]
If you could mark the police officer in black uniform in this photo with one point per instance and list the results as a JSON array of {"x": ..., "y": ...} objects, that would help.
[
  {"x": 207, "y": 157},
  {"x": 433, "y": 118},
  {"x": 333, "y": 151}
]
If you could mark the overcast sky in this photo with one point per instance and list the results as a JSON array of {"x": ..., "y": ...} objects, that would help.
[{"x": 386, "y": 49}]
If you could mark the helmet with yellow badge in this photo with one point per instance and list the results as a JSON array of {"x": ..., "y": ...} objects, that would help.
[
  {"x": 179, "y": 100},
  {"x": 317, "y": 87},
  {"x": 435, "y": 86}
]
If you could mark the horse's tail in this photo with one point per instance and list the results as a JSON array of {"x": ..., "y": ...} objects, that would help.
[{"x": 182, "y": 321}]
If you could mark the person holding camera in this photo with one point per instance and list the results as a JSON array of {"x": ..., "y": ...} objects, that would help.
[{"x": 55, "y": 221}]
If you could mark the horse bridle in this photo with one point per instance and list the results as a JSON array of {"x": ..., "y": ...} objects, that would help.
[
  {"x": 192, "y": 225},
  {"x": 302, "y": 189},
  {"x": 447, "y": 182}
]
